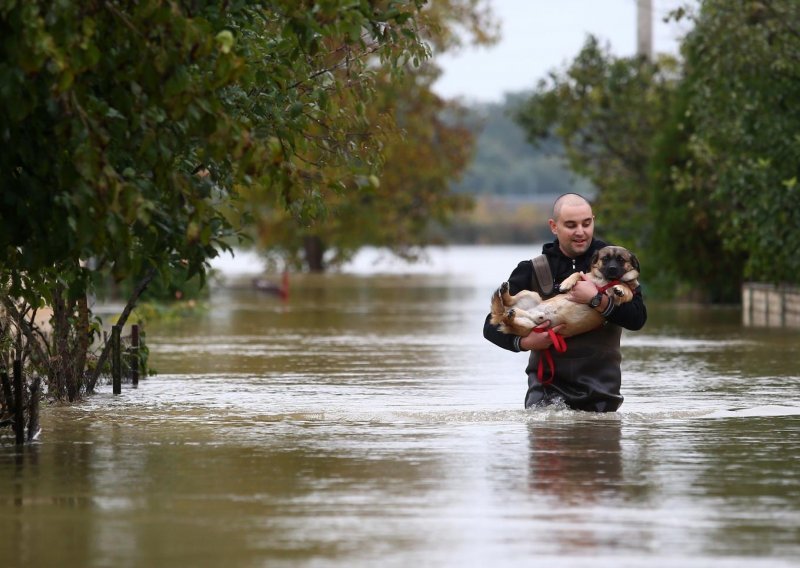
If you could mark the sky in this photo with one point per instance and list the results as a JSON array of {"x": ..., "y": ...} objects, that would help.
[{"x": 538, "y": 36}]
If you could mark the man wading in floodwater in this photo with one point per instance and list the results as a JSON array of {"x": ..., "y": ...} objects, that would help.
[{"x": 587, "y": 375}]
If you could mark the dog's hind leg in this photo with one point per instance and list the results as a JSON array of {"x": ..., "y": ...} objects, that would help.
[
  {"x": 498, "y": 305},
  {"x": 518, "y": 322},
  {"x": 505, "y": 294}
]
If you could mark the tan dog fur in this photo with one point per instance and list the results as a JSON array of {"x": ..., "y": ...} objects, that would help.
[{"x": 519, "y": 314}]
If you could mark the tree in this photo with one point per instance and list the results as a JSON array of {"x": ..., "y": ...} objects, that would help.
[
  {"x": 395, "y": 207},
  {"x": 742, "y": 76},
  {"x": 686, "y": 251},
  {"x": 716, "y": 144},
  {"x": 127, "y": 129},
  {"x": 425, "y": 146},
  {"x": 623, "y": 122},
  {"x": 606, "y": 111}
]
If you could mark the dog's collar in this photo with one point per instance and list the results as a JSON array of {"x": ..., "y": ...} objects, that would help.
[{"x": 601, "y": 289}]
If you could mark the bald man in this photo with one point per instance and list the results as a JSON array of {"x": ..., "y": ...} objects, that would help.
[{"x": 587, "y": 375}]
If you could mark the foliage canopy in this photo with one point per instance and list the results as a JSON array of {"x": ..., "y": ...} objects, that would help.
[{"x": 742, "y": 76}]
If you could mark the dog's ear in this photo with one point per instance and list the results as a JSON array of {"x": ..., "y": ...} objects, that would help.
[
  {"x": 595, "y": 258},
  {"x": 634, "y": 261}
]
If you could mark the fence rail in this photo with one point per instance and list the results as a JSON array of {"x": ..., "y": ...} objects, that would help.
[{"x": 770, "y": 305}]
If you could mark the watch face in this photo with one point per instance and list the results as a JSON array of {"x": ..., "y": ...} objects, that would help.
[{"x": 594, "y": 302}]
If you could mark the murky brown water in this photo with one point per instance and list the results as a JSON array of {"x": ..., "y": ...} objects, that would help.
[{"x": 367, "y": 423}]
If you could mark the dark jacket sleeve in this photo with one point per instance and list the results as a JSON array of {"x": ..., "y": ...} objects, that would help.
[
  {"x": 520, "y": 279},
  {"x": 630, "y": 315}
]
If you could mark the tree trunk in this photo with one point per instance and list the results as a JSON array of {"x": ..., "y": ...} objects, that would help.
[
  {"x": 61, "y": 361},
  {"x": 314, "y": 251},
  {"x": 71, "y": 344}
]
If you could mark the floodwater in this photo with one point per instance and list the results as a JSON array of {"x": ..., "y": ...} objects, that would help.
[{"x": 366, "y": 422}]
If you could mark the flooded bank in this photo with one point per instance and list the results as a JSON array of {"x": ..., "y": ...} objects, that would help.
[{"x": 367, "y": 422}]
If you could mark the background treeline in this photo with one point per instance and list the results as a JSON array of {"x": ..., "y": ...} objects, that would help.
[
  {"x": 512, "y": 182},
  {"x": 504, "y": 162}
]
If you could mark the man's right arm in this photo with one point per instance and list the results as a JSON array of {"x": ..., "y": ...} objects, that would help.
[
  {"x": 504, "y": 340},
  {"x": 520, "y": 279}
]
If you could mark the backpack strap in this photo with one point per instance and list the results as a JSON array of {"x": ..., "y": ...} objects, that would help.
[{"x": 542, "y": 276}]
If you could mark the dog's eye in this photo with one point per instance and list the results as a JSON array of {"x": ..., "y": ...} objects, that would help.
[{"x": 620, "y": 259}]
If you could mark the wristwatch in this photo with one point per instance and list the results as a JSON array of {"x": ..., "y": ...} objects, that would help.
[{"x": 595, "y": 301}]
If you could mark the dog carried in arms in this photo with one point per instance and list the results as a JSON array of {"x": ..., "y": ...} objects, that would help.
[{"x": 614, "y": 270}]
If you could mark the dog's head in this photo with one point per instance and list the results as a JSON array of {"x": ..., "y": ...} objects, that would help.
[{"x": 615, "y": 263}]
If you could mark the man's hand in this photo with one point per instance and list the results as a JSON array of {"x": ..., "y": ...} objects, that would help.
[
  {"x": 536, "y": 340},
  {"x": 583, "y": 291}
]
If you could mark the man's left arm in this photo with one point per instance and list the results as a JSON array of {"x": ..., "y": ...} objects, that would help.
[{"x": 630, "y": 315}]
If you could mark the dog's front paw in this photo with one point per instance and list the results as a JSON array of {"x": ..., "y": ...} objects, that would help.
[
  {"x": 570, "y": 281},
  {"x": 618, "y": 291},
  {"x": 511, "y": 314}
]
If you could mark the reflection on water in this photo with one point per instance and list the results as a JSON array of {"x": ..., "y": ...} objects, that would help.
[
  {"x": 577, "y": 462},
  {"x": 366, "y": 422}
]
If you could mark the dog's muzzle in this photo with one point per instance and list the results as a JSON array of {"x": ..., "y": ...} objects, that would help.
[{"x": 612, "y": 271}]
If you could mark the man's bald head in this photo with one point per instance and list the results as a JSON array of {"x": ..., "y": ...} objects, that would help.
[
  {"x": 567, "y": 200},
  {"x": 572, "y": 224}
]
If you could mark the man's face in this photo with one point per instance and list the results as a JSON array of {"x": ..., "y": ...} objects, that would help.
[{"x": 574, "y": 229}]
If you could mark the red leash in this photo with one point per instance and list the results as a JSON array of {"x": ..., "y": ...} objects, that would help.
[{"x": 560, "y": 345}]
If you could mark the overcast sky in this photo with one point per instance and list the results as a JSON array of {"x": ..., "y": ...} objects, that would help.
[{"x": 540, "y": 35}]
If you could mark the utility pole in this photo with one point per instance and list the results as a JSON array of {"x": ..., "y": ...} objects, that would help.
[{"x": 644, "y": 28}]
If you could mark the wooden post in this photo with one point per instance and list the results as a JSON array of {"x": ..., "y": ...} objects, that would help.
[
  {"x": 135, "y": 354},
  {"x": 116, "y": 367},
  {"x": 19, "y": 404},
  {"x": 7, "y": 396},
  {"x": 33, "y": 409}
]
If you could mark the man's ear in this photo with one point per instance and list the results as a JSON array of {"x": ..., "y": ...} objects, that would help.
[{"x": 553, "y": 226}]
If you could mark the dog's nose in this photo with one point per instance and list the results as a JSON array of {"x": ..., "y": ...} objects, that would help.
[{"x": 612, "y": 271}]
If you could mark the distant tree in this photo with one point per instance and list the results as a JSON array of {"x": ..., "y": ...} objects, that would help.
[
  {"x": 606, "y": 111},
  {"x": 424, "y": 147}
]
